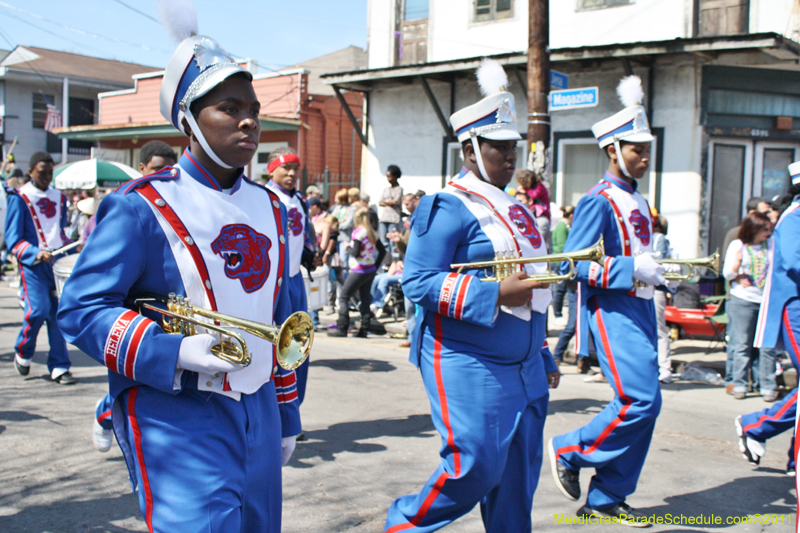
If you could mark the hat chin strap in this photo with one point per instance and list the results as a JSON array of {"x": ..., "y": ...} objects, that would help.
[
  {"x": 621, "y": 161},
  {"x": 202, "y": 140},
  {"x": 477, "y": 149}
]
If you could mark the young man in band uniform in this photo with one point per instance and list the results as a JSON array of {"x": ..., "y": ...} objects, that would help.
[
  {"x": 616, "y": 308},
  {"x": 34, "y": 228},
  {"x": 203, "y": 438},
  {"x": 478, "y": 345}
]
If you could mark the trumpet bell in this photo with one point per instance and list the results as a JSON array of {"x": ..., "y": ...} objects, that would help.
[{"x": 294, "y": 340}]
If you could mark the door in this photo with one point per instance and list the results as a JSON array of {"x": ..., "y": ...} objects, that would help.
[{"x": 740, "y": 169}]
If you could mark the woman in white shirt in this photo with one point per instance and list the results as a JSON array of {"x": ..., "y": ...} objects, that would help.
[{"x": 746, "y": 265}]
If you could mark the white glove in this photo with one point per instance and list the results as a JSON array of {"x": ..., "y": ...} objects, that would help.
[
  {"x": 195, "y": 355},
  {"x": 673, "y": 284},
  {"x": 287, "y": 449},
  {"x": 648, "y": 270}
]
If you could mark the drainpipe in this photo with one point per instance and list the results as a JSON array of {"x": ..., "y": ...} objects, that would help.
[{"x": 64, "y": 117}]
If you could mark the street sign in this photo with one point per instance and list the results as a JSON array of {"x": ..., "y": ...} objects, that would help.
[
  {"x": 558, "y": 81},
  {"x": 573, "y": 98}
]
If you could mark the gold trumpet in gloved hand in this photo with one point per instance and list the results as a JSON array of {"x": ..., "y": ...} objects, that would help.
[
  {"x": 293, "y": 339},
  {"x": 504, "y": 267}
]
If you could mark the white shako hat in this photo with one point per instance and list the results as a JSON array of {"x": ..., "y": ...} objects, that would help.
[
  {"x": 794, "y": 172},
  {"x": 198, "y": 65},
  {"x": 628, "y": 125},
  {"x": 494, "y": 117}
]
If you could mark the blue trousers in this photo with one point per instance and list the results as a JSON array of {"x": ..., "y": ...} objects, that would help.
[
  {"x": 743, "y": 316},
  {"x": 103, "y": 412},
  {"x": 491, "y": 450},
  {"x": 767, "y": 423},
  {"x": 616, "y": 441},
  {"x": 569, "y": 330},
  {"x": 205, "y": 462},
  {"x": 790, "y": 336},
  {"x": 40, "y": 307},
  {"x": 297, "y": 293}
]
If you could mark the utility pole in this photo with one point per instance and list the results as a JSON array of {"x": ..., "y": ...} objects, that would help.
[{"x": 538, "y": 84}]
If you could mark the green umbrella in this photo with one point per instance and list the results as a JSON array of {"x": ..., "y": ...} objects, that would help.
[{"x": 91, "y": 173}]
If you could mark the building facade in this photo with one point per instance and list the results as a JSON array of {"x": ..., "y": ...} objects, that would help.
[
  {"x": 721, "y": 79},
  {"x": 31, "y": 77}
]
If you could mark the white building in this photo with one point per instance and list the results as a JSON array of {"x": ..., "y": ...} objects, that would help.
[
  {"x": 31, "y": 77},
  {"x": 721, "y": 78}
]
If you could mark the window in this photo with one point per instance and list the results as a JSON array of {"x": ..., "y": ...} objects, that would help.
[
  {"x": 584, "y": 5},
  {"x": 493, "y": 9},
  {"x": 415, "y": 10},
  {"x": 40, "y": 108}
]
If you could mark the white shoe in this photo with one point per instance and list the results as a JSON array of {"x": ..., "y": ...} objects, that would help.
[
  {"x": 559, "y": 321},
  {"x": 101, "y": 437}
]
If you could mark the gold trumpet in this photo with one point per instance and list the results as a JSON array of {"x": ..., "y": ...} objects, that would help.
[
  {"x": 293, "y": 339},
  {"x": 692, "y": 265},
  {"x": 502, "y": 267}
]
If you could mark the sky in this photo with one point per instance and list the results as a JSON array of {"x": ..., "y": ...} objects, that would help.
[{"x": 276, "y": 33}]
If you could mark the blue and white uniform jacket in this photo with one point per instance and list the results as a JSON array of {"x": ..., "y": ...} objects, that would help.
[
  {"x": 298, "y": 224},
  {"x": 471, "y": 221},
  {"x": 620, "y": 214},
  {"x": 783, "y": 278},
  {"x": 35, "y": 221},
  {"x": 177, "y": 231}
]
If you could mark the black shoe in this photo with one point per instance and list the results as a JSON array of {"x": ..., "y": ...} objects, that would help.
[
  {"x": 64, "y": 379},
  {"x": 361, "y": 333},
  {"x": 624, "y": 513},
  {"x": 336, "y": 332},
  {"x": 22, "y": 370},
  {"x": 584, "y": 367},
  {"x": 301, "y": 437},
  {"x": 567, "y": 481}
]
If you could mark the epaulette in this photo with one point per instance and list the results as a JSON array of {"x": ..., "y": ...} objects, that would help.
[
  {"x": 421, "y": 219},
  {"x": 166, "y": 173},
  {"x": 602, "y": 186}
]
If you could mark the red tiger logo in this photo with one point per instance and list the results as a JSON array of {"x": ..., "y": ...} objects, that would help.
[
  {"x": 641, "y": 226},
  {"x": 295, "y": 221},
  {"x": 246, "y": 255},
  {"x": 525, "y": 224},
  {"x": 47, "y": 207}
]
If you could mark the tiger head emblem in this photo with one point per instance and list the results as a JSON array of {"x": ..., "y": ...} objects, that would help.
[
  {"x": 525, "y": 224},
  {"x": 641, "y": 226},
  {"x": 246, "y": 255}
]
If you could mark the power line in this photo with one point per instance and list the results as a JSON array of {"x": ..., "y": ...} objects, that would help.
[
  {"x": 80, "y": 31},
  {"x": 137, "y": 11}
]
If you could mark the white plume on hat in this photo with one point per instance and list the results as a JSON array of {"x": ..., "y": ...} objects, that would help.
[
  {"x": 491, "y": 77},
  {"x": 179, "y": 17},
  {"x": 630, "y": 91}
]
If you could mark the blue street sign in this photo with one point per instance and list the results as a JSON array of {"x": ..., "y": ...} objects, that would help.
[
  {"x": 558, "y": 81},
  {"x": 573, "y": 98}
]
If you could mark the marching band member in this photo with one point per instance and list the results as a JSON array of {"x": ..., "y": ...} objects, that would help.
[
  {"x": 34, "y": 228},
  {"x": 203, "y": 438},
  {"x": 617, "y": 308},
  {"x": 779, "y": 318},
  {"x": 478, "y": 344},
  {"x": 283, "y": 165}
]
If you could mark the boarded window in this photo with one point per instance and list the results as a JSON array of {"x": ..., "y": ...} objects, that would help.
[
  {"x": 493, "y": 9},
  {"x": 722, "y": 17}
]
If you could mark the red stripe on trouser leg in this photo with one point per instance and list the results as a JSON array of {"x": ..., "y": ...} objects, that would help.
[
  {"x": 25, "y": 331},
  {"x": 787, "y": 324},
  {"x": 137, "y": 442},
  {"x": 626, "y": 402},
  {"x": 776, "y": 416},
  {"x": 103, "y": 416}
]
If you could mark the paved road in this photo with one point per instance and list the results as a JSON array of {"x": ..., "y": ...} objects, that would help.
[{"x": 370, "y": 440}]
